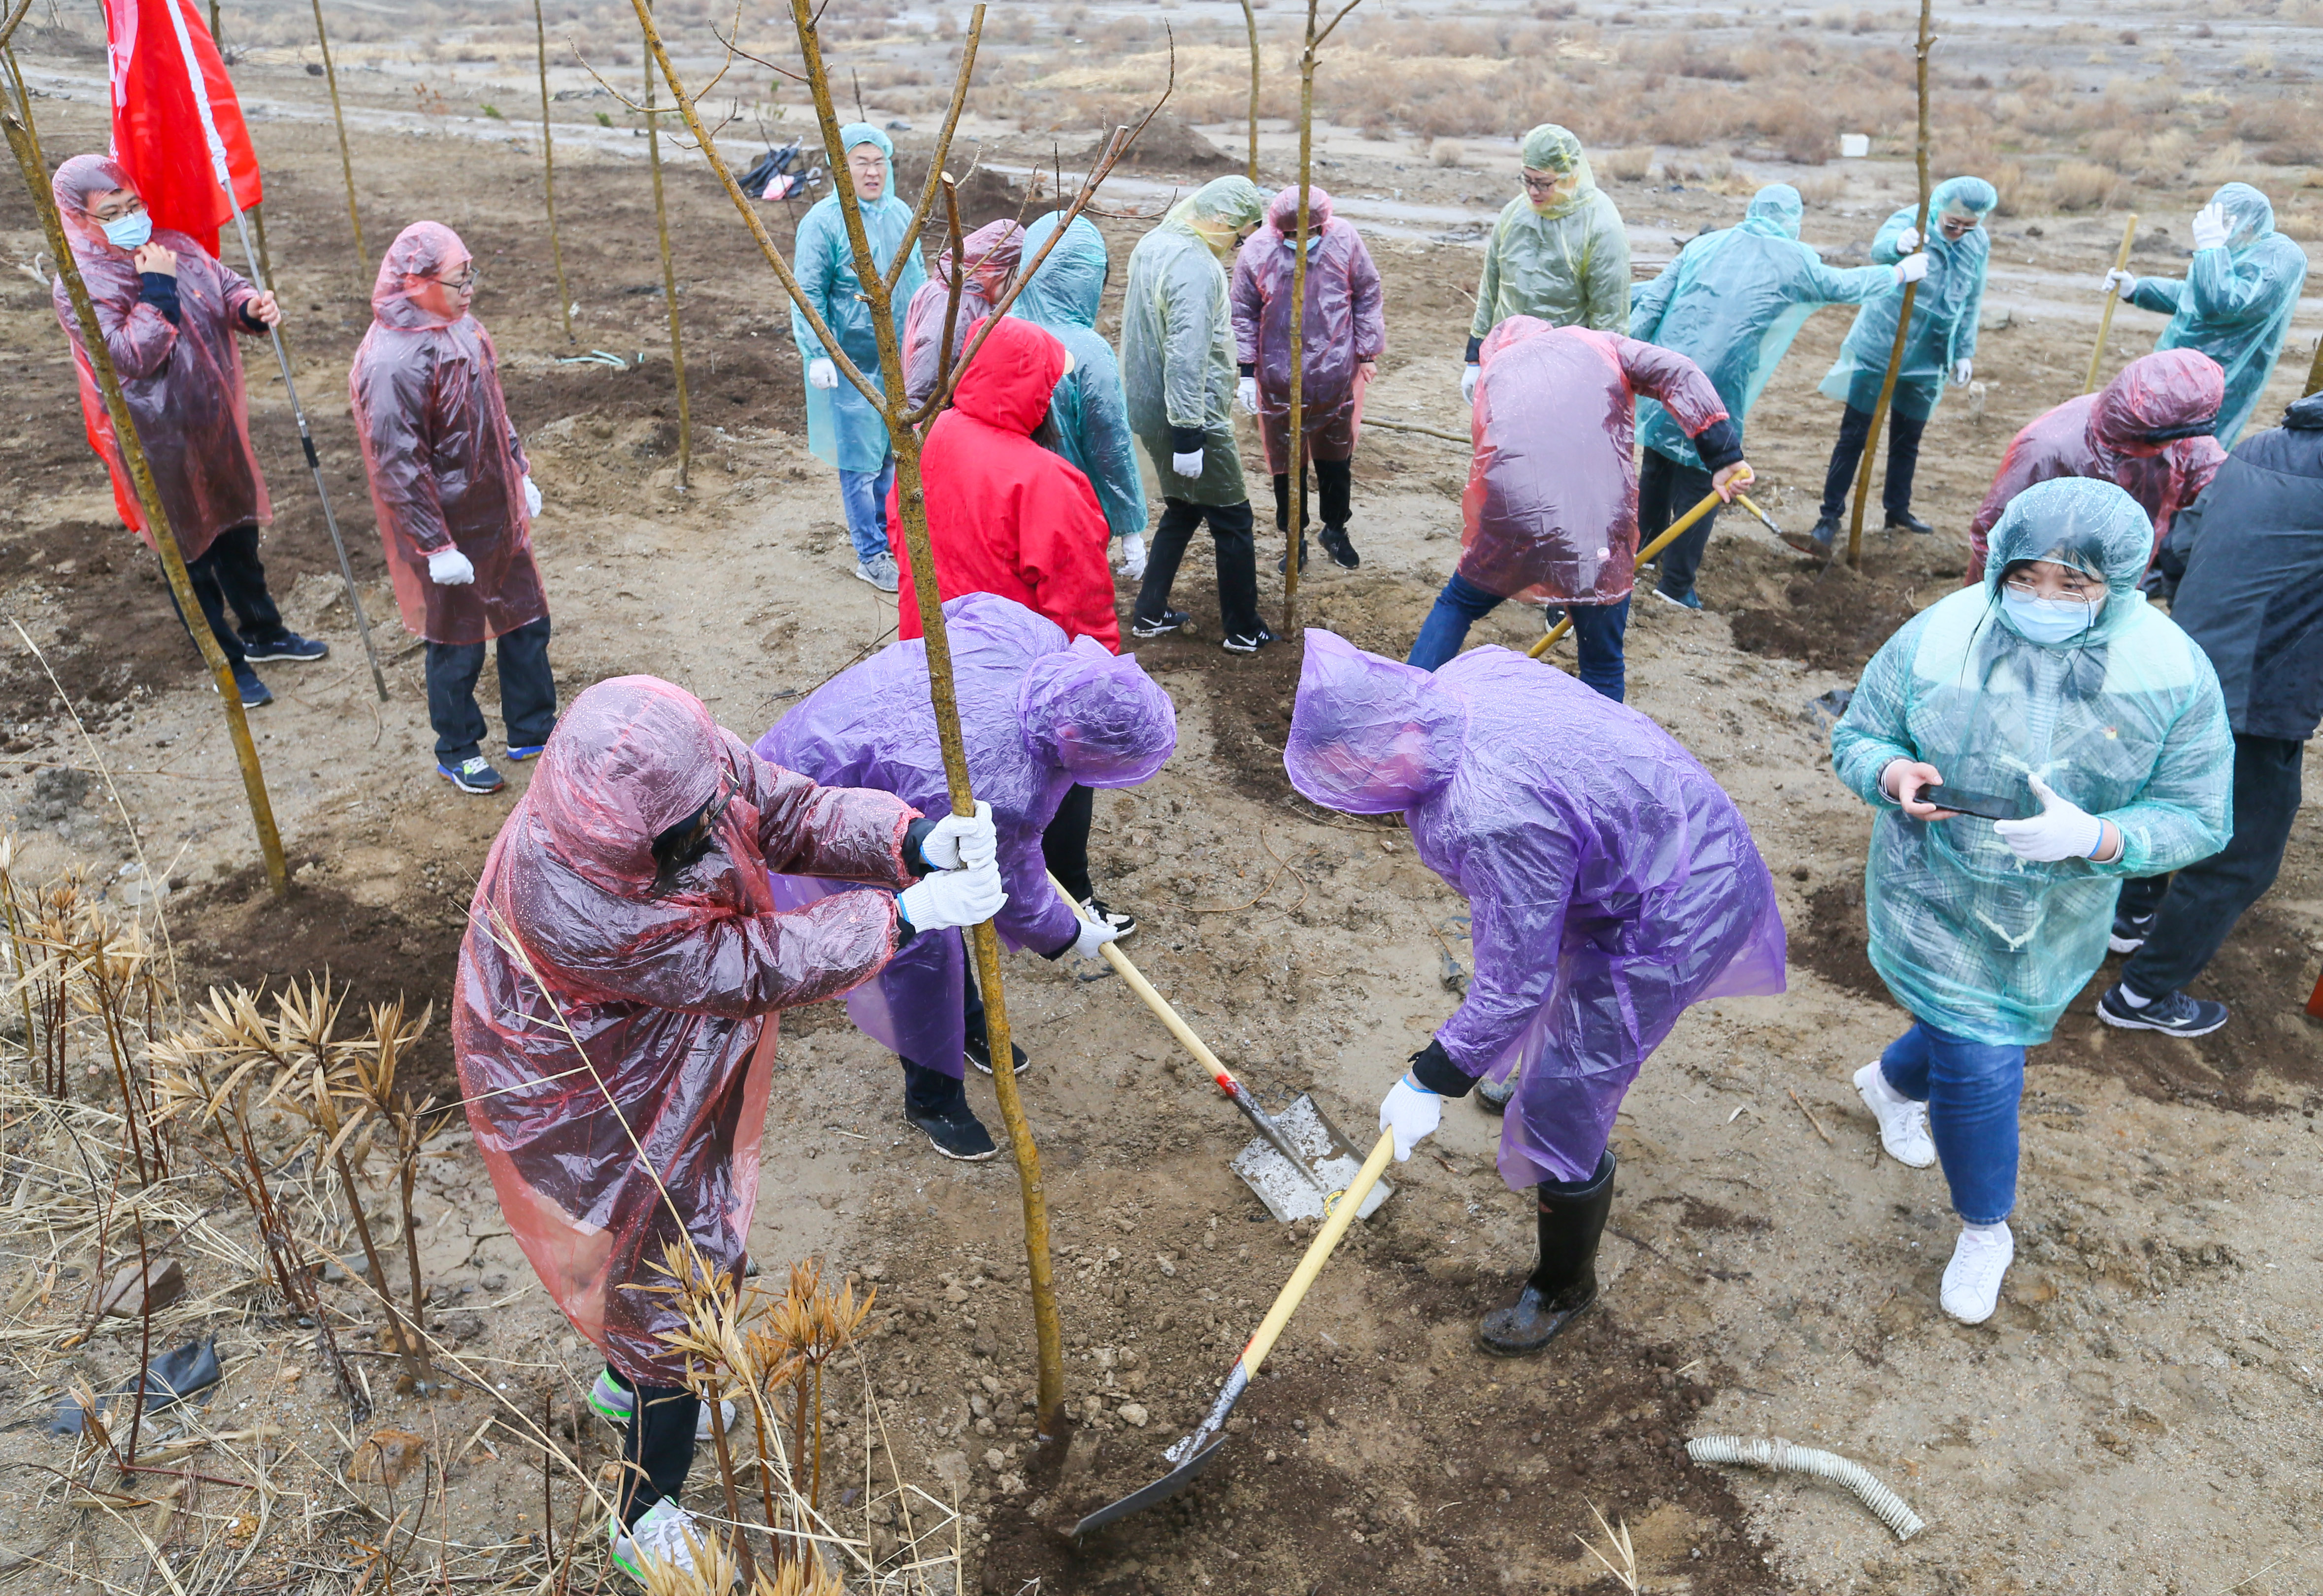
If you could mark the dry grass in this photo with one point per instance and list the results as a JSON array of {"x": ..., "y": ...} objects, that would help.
[
  {"x": 1630, "y": 165},
  {"x": 2085, "y": 186}
]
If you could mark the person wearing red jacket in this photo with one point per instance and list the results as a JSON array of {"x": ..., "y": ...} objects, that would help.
[
  {"x": 1008, "y": 515},
  {"x": 2147, "y": 432}
]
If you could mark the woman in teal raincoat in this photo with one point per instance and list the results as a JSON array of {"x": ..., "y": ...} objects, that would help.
[
  {"x": 841, "y": 427},
  {"x": 2053, "y": 688},
  {"x": 1942, "y": 344},
  {"x": 1559, "y": 252}
]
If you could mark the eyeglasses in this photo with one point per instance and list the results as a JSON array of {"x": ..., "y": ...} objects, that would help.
[
  {"x": 135, "y": 206},
  {"x": 2025, "y": 589},
  {"x": 460, "y": 285}
]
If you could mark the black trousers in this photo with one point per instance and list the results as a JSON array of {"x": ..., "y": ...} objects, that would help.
[
  {"x": 527, "y": 692},
  {"x": 1667, "y": 491},
  {"x": 229, "y": 573},
  {"x": 1065, "y": 844},
  {"x": 2199, "y": 905},
  {"x": 659, "y": 1448},
  {"x": 1903, "y": 459},
  {"x": 1238, "y": 557},
  {"x": 1338, "y": 479}
]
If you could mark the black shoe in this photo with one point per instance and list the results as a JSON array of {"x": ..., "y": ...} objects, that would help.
[
  {"x": 1172, "y": 620},
  {"x": 1104, "y": 913},
  {"x": 1563, "y": 1283},
  {"x": 1493, "y": 1096},
  {"x": 2130, "y": 932},
  {"x": 289, "y": 646},
  {"x": 978, "y": 1049},
  {"x": 2174, "y": 1014},
  {"x": 936, "y": 1106},
  {"x": 1249, "y": 644},
  {"x": 1282, "y": 560},
  {"x": 1907, "y": 522},
  {"x": 1343, "y": 553},
  {"x": 1820, "y": 541}
]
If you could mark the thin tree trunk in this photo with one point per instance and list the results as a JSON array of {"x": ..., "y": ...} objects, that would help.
[
  {"x": 548, "y": 174},
  {"x": 668, "y": 285},
  {"x": 365, "y": 269}
]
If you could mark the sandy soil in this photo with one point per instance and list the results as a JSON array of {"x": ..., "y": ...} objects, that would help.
[{"x": 2141, "y": 1415}]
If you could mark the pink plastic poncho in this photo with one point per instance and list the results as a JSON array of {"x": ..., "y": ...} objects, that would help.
[
  {"x": 183, "y": 383},
  {"x": 589, "y": 1013},
  {"x": 2147, "y": 432},
  {"x": 447, "y": 469},
  {"x": 1551, "y": 511},
  {"x": 992, "y": 253},
  {"x": 1610, "y": 882},
  {"x": 1037, "y": 715},
  {"x": 1344, "y": 327}
]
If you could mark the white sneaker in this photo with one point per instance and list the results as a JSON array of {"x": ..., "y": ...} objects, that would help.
[
  {"x": 1971, "y": 1289},
  {"x": 618, "y": 1402},
  {"x": 1903, "y": 1122},
  {"x": 660, "y": 1537}
]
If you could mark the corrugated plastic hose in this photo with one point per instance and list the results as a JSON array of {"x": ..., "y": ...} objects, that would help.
[{"x": 1783, "y": 1458}]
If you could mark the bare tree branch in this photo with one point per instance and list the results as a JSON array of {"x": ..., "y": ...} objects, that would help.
[{"x": 944, "y": 153}]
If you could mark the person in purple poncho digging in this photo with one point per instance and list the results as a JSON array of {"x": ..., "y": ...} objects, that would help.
[{"x": 1610, "y": 883}]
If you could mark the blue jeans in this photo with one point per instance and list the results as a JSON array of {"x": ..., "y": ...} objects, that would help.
[
  {"x": 1597, "y": 629},
  {"x": 864, "y": 493},
  {"x": 1971, "y": 1089}
]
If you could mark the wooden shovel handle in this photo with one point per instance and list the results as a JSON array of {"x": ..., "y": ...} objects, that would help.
[{"x": 1318, "y": 1252}]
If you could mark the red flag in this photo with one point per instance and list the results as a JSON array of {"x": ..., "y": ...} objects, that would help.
[{"x": 157, "y": 128}]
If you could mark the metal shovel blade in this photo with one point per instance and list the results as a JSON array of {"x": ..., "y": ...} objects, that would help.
[
  {"x": 1287, "y": 1191},
  {"x": 1161, "y": 1489}
]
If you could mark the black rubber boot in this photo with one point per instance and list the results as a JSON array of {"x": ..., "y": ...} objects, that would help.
[{"x": 1563, "y": 1283}]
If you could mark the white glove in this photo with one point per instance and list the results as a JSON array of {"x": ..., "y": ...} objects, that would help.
[
  {"x": 1187, "y": 466},
  {"x": 2061, "y": 831},
  {"x": 448, "y": 567},
  {"x": 1963, "y": 369},
  {"x": 822, "y": 374},
  {"x": 1412, "y": 1112},
  {"x": 1907, "y": 241},
  {"x": 1133, "y": 556},
  {"x": 531, "y": 498},
  {"x": 1093, "y": 936},
  {"x": 1246, "y": 395},
  {"x": 953, "y": 897},
  {"x": 1468, "y": 375},
  {"x": 2211, "y": 228},
  {"x": 953, "y": 843},
  {"x": 1910, "y": 268},
  {"x": 2121, "y": 282}
]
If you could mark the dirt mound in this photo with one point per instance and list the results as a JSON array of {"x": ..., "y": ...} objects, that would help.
[
  {"x": 1169, "y": 144},
  {"x": 1833, "y": 620}
]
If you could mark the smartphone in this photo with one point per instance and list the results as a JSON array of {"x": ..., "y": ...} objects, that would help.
[{"x": 1983, "y": 805}]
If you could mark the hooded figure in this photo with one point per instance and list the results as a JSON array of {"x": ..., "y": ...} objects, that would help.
[
  {"x": 841, "y": 425},
  {"x": 2147, "y": 431},
  {"x": 1041, "y": 716},
  {"x": 1088, "y": 410},
  {"x": 2099, "y": 722},
  {"x": 1610, "y": 883},
  {"x": 1941, "y": 347},
  {"x": 1558, "y": 253},
  {"x": 992, "y": 253},
  {"x": 1177, "y": 373},
  {"x": 1342, "y": 334},
  {"x": 2234, "y": 303},
  {"x": 1005, "y": 515}
]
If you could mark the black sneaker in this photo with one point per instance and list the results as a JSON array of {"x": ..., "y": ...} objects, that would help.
[
  {"x": 2174, "y": 1014},
  {"x": 978, "y": 1049},
  {"x": 289, "y": 646},
  {"x": 1908, "y": 522},
  {"x": 954, "y": 1132},
  {"x": 1282, "y": 560},
  {"x": 2130, "y": 932},
  {"x": 1493, "y": 1096},
  {"x": 1820, "y": 541},
  {"x": 1251, "y": 644},
  {"x": 1343, "y": 553},
  {"x": 1170, "y": 620},
  {"x": 1104, "y": 913}
]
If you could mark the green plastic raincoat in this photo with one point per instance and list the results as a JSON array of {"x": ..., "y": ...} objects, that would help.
[
  {"x": 843, "y": 429},
  {"x": 1177, "y": 341},
  {"x": 2234, "y": 303},
  {"x": 1091, "y": 418},
  {"x": 2126, "y": 721},
  {"x": 1943, "y": 313},
  {"x": 1567, "y": 263}
]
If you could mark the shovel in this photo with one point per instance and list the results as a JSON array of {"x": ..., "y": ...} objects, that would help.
[
  {"x": 1677, "y": 529},
  {"x": 1195, "y": 1452},
  {"x": 1300, "y": 1158}
]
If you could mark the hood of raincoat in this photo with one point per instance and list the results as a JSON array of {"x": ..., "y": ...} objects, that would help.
[
  {"x": 991, "y": 252},
  {"x": 1549, "y": 148},
  {"x": 1230, "y": 204},
  {"x": 422, "y": 250},
  {"x": 1008, "y": 382},
  {"x": 1370, "y": 737},
  {"x": 1775, "y": 212},
  {"x": 1282, "y": 211},
  {"x": 1096, "y": 715},
  {"x": 2091, "y": 525},
  {"x": 631, "y": 757},
  {"x": 1969, "y": 196},
  {"x": 75, "y": 181},
  {"x": 1069, "y": 286},
  {"x": 2156, "y": 399},
  {"x": 2250, "y": 214}
]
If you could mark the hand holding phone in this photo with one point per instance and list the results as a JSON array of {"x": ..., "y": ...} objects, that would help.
[
  {"x": 1985, "y": 806},
  {"x": 1906, "y": 779}
]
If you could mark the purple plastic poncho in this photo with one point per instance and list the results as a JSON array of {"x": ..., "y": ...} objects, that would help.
[
  {"x": 992, "y": 253},
  {"x": 1344, "y": 327},
  {"x": 1610, "y": 882},
  {"x": 1037, "y": 715}
]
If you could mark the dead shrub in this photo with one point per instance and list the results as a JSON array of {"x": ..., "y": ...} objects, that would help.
[
  {"x": 1444, "y": 153},
  {"x": 1820, "y": 188},
  {"x": 1630, "y": 165},
  {"x": 2085, "y": 186},
  {"x": 2021, "y": 194}
]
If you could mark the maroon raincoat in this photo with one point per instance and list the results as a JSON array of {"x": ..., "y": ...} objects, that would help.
[
  {"x": 992, "y": 253},
  {"x": 1551, "y": 511},
  {"x": 1343, "y": 331},
  {"x": 183, "y": 383},
  {"x": 447, "y": 469},
  {"x": 594, "y": 1020},
  {"x": 2147, "y": 432}
]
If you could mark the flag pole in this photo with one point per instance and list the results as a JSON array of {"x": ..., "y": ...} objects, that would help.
[{"x": 224, "y": 172}]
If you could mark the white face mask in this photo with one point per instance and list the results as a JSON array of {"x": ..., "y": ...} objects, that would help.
[
  {"x": 2049, "y": 620},
  {"x": 129, "y": 231}
]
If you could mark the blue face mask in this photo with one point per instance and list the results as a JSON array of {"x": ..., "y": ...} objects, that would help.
[
  {"x": 126, "y": 233},
  {"x": 2048, "y": 620}
]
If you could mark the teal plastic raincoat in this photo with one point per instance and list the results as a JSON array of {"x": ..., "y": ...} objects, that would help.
[
  {"x": 1566, "y": 263},
  {"x": 1732, "y": 301},
  {"x": 1089, "y": 413},
  {"x": 842, "y": 427},
  {"x": 2234, "y": 303},
  {"x": 1943, "y": 314},
  {"x": 1176, "y": 340},
  {"x": 2126, "y": 721}
]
